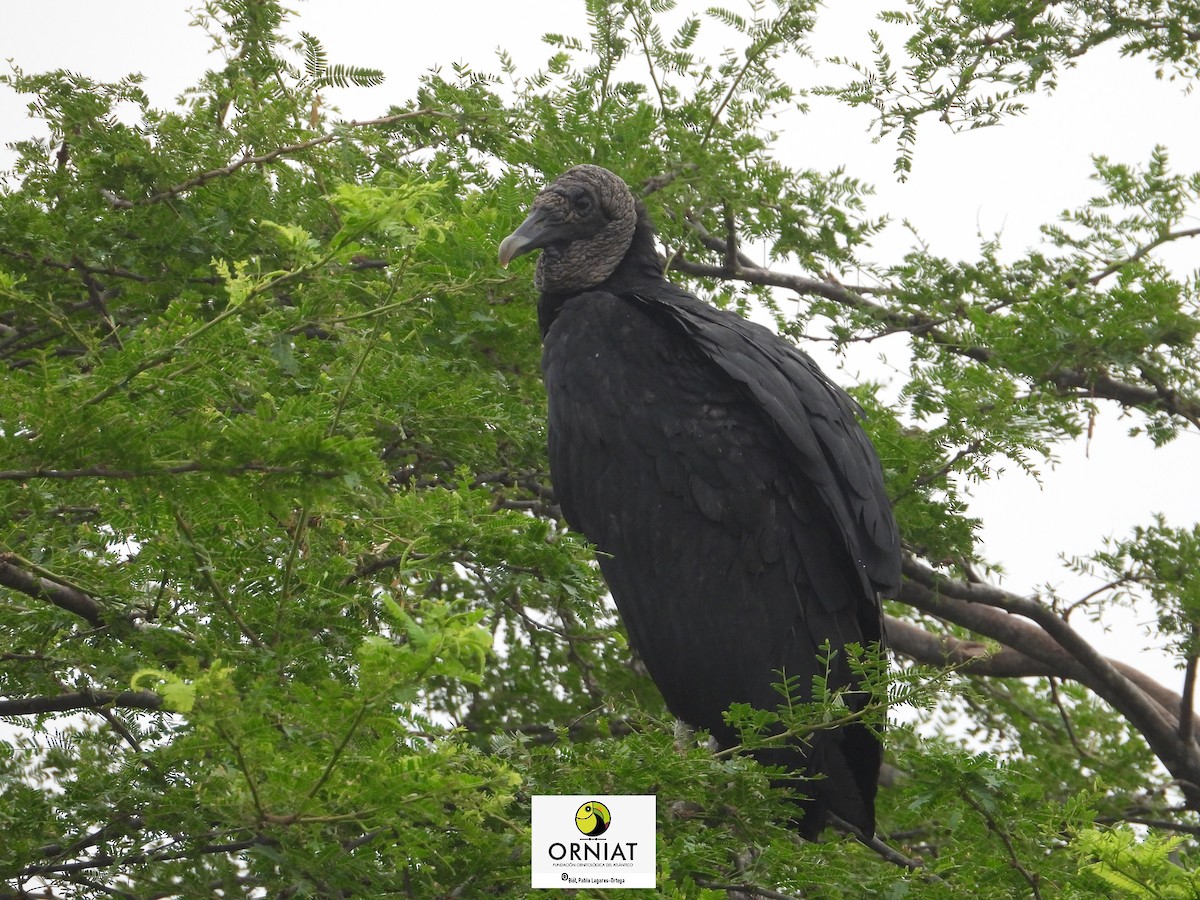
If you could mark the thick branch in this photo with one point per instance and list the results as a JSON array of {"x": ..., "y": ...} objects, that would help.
[
  {"x": 31, "y": 706},
  {"x": 1189, "y": 698},
  {"x": 1045, "y": 636},
  {"x": 976, "y": 657},
  {"x": 924, "y": 646},
  {"x": 61, "y": 595},
  {"x": 1068, "y": 381},
  {"x": 1013, "y": 631}
]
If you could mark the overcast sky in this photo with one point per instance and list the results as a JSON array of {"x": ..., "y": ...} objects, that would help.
[{"x": 1006, "y": 180}]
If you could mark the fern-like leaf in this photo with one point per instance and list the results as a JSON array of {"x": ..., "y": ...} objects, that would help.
[{"x": 347, "y": 76}]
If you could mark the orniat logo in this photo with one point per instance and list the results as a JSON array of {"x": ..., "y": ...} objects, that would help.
[
  {"x": 593, "y": 818},
  {"x": 613, "y": 845}
]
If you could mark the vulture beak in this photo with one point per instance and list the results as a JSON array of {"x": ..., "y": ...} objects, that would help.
[{"x": 536, "y": 231}]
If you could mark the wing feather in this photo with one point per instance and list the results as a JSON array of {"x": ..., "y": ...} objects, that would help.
[
  {"x": 817, "y": 418},
  {"x": 708, "y": 471}
]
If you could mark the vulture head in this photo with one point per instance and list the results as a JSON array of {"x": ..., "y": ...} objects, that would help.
[{"x": 583, "y": 222}]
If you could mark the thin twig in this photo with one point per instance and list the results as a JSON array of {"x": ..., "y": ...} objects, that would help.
[
  {"x": 120, "y": 822},
  {"x": 245, "y": 770},
  {"x": 885, "y": 851},
  {"x": 335, "y": 756},
  {"x": 1141, "y": 252},
  {"x": 1031, "y": 878},
  {"x": 1091, "y": 595},
  {"x": 251, "y": 160},
  {"x": 102, "y": 471},
  {"x": 204, "y": 564},
  {"x": 75, "y": 264},
  {"x": 1163, "y": 824},
  {"x": 641, "y": 29},
  {"x": 105, "y": 860},
  {"x": 98, "y": 297},
  {"x": 940, "y": 472},
  {"x": 753, "y": 52},
  {"x": 1066, "y": 720},
  {"x": 752, "y": 890}
]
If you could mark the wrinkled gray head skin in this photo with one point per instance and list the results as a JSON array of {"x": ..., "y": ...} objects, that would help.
[{"x": 583, "y": 222}]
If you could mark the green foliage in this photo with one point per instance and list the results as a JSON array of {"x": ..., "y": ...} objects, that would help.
[
  {"x": 286, "y": 603},
  {"x": 319, "y": 73},
  {"x": 1130, "y": 867},
  {"x": 1163, "y": 563},
  {"x": 971, "y": 63}
]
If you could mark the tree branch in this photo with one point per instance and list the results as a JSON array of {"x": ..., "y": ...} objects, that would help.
[
  {"x": 63, "y": 596},
  {"x": 104, "y": 860},
  {"x": 121, "y": 822},
  {"x": 1007, "y": 617},
  {"x": 79, "y": 700},
  {"x": 1012, "y": 631},
  {"x": 1189, "y": 698},
  {"x": 1141, "y": 252},
  {"x": 177, "y": 469},
  {"x": 220, "y": 595},
  {"x": 975, "y": 657},
  {"x": 76, "y": 264},
  {"x": 658, "y": 182},
  {"x": 1031, "y": 878},
  {"x": 745, "y": 890},
  {"x": 203, "y": 178},
  {"x": 641, "y": 29},
  {"x": 1068, "y": 381},
  {"x": 1039, "y": 656},
  {"x": 883, "y": 849}
]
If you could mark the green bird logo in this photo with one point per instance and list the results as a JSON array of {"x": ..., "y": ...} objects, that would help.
[{"x": 593, "y": 818}]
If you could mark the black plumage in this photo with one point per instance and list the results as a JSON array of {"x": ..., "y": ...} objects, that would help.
[{"x": 736, "y": 504}]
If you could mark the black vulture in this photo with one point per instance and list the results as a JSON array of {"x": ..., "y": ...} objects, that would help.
[{"x": 736, "y": 505}]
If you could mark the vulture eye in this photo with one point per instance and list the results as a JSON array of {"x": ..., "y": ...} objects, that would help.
[{"x": 583, "y": 203}]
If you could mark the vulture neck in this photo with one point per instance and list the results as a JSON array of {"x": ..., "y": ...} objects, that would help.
[{"x": 638, "y": 270}]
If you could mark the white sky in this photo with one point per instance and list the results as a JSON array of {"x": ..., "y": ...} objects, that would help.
[{"x": 1009, "y": 179}]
